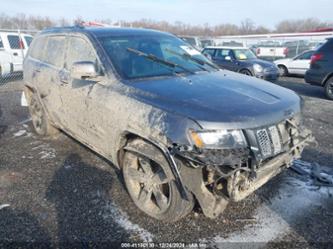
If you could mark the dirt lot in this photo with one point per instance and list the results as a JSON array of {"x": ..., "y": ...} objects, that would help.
[{"x": 59, "y": 193}]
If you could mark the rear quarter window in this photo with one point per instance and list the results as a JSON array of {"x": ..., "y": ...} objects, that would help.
[{"x": 55, "y": 49}]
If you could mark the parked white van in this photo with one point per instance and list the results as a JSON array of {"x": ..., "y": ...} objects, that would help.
[{"x": 13, "y": 47}]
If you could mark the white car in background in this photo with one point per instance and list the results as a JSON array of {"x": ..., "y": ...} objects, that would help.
[
  {"x": 297, "y": 65},
  {"x": 13, "y": 48}
]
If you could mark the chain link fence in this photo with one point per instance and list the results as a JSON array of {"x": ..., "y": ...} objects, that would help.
[{"x": 14, "y": 45}]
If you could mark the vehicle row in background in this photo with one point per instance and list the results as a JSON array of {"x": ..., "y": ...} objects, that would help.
[
  {"x": 242, "y": 60},
  {"x": 13, "y": 48}
]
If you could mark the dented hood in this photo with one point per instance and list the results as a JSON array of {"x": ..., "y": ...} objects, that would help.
[{"x": 221, "y": 99}]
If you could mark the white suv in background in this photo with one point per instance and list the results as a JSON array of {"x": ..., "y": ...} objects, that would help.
[{"x": 13, "y": 48}]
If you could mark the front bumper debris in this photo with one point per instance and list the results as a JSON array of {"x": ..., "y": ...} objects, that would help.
[{"x": 216, "y": 177}]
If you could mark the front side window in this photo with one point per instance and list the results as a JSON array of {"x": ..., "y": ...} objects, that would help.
[
  {"x": 165, "y": 47},
  {"x": 79, "y": 50},
  {"x": 15, "y": 42},
  {"x": 55, "y": 50}
]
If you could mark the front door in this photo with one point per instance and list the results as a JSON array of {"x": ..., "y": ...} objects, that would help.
[
  {"x": 83, "y": 114},
  {"x": 225, "y": 59}
]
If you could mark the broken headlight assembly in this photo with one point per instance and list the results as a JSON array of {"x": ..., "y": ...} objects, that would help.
[{"x": 218, "y": 139}]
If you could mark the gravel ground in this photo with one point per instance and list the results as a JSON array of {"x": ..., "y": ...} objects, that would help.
[{"x": 58, "y": 193}]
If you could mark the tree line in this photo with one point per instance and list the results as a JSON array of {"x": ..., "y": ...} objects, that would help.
[{"x": 247, "y": 26}]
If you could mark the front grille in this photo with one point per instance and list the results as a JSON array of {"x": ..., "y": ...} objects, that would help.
[
  {"x": 269, "y": 141},
  {"x": 264, "y": 142}
]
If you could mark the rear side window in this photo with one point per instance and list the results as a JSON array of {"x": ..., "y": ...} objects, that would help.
[
  {"x": 79, "y": 50},
  {"x": 37, "y": 49},
  {"x": 55, "y": 50},
  {"x": 15, "y": 42}
]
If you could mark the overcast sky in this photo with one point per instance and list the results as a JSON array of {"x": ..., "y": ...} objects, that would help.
[{"x": 262, "y": 12}]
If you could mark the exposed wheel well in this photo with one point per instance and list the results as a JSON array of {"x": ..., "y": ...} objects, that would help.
[
  {"x": 125, "y": 138},
  {"x": 327, "y": 79}
]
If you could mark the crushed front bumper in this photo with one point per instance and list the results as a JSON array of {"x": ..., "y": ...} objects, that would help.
[{"x": 217, "y": 177}]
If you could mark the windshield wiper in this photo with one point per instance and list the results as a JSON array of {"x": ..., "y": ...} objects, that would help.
[
  {"x": 196, "y": 60},
  {"x": 154, "y": 58}
]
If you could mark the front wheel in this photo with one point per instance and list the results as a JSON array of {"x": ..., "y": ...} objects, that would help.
[
  {"x": 283, "y": 70},
  {"x": 151, "y": 185},
  {"x": 246, "y": 72},
  {"x": 329, "y": 88}
]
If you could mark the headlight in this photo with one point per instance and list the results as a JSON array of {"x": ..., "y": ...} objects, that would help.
[
  {"x": 257, "y": 68},
  {"x": 218, "y": 139}
]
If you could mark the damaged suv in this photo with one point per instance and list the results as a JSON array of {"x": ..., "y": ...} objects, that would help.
[{"x": 181, "y": 130}]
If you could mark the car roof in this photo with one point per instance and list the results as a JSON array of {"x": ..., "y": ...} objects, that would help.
[
  {"x": 224, "y": 47},
  {"x": 104, "y": 31}
]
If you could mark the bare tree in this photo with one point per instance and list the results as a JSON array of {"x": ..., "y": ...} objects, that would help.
[{"x": 247, "y": 26}]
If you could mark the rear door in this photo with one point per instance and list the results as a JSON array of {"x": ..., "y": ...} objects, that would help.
[
  {"x": 16, "y": 49},
  {"x": 46, "y": 73}
]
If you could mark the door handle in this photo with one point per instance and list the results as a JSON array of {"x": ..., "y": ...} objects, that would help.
[{"x": 15, "y": 54}]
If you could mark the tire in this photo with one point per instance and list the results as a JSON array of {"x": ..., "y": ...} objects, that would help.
[
  {"x": 283, "y": 70},
  {"x": 329, "y": 88},
  {"x": 246, "y": 72},
  {"x": 150, "y": 183},
  {"x": 39, "y": 118}
]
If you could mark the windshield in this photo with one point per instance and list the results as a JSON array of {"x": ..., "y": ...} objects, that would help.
[
  {"x": 244, "y": 54},
  {"x": 168, "y": 48}
]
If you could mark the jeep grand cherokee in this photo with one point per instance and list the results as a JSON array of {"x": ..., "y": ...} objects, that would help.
[{"x": 180, "y": 129}]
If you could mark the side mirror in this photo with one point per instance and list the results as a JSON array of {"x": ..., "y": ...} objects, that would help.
[
  {"x": 83, "y": 70},
  {"x": 227, "y": 58}
]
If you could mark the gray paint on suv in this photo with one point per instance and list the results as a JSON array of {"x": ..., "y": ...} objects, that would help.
[{"x": 180, "y": 129}]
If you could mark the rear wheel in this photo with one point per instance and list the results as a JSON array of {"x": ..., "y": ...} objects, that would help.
[
  {"x": 283, "y": 70},
  {"x": 39, "y": 118},
  {"x": 246, "y": 72},
  {"x": 151, "y": 185},
  {"x": 329, "y": 88}
]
